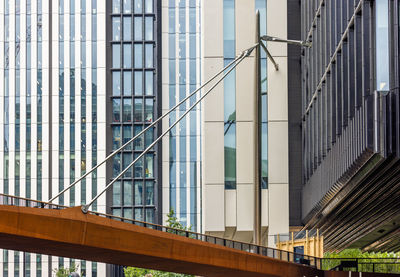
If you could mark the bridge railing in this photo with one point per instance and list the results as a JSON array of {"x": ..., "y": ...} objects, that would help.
[
  {"x": 374, "y": 265},
  {"x": 6, "y": 199},
  {"x": 242, "y": 246}
]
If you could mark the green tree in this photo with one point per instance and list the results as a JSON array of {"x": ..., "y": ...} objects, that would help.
[
  {"x": 65, "y": 272},
  {"x": 172, "y": 222},
  {"x": 365, "y": 260}
]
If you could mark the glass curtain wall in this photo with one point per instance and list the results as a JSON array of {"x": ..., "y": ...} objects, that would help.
[
  {"x": 184, "y": 148},
  {"x": 229, "y": 95},
  {"x": 133, "y": 42}
]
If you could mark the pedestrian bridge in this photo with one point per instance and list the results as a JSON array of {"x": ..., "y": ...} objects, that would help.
[{"x": 68, "y": 232}]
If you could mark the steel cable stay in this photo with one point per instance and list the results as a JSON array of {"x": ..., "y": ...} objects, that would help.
[
  {"x": 151, "y": 125},
  {"x": 237, "y": 61}
]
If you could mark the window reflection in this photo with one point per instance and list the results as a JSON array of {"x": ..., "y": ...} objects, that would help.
[
  {"x": 149, "y": 193},
  {"x": 116, "y": 165},
  {"x": 138, "y": 28},
  {"x": 150, "y": 215},
  {"x": 127, "y": 20},
  {"x": 149, "y": 55},
  {"x": 139, "y": 141},
  {"x": 138, "y": 83},
  {"x": 116, "y": 103},
  {"x": 139, "y": 167},
  {"x": 138, "y": 55},
  {"x": 127, "y": 135},
  {"x": 127, "y": 112},
  {"x": 127, "y": 83},
  {"x": 116, "y": 28},
  {"x": 127, "y": 160},
  {"x": 148, "y": 28},
  {"x": 116, "y": 78},
  {"x": 149, "y": 137},
  {"x": 149, "y": 166},
  {"x": 127, "y": 57},
  {"x": 138, "y": 6},
  {"x": 116, "y": 130},
  {"x": 128, "y": 193},
  {"x": 149, "y": 110},
  {"x": 138, "y": 117},
  {"x": 117, "y": 193},
  {"x": 138, "y": 193},
  {"x": 382, "y": 45},
  {"x": 139, "y": 214},
  {"x": 116, "y": 6},
  {"x": 127, "y": 4},
  {"x": 149, "y": 82}
]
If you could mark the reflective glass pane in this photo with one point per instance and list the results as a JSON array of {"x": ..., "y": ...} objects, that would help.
[
  {"x": 192, "y": 20},
  {"x": 149, "y": 110},
  {"x": 182, "y": 20},
  {"x": 116, "y": 86},
  {"x": 150, "y": 215},
  {"x": 138, "y": 83},
  {"x": 116, "y": 103},
  {"x": 149, "y": 193},
  {"x": 139, "y": 141},
  {"x": 116, "y": 130},
  {"x": 128, "y": 213},
  {"x": 127, "y": 20},
  {"x": 149, "y": 166},
  {"x": 127, "y": 160},
  {"x": 116, "y": 28},
  {"x": 139, "y": 214},
  {"x": 230, "y": 155},
  {"x": 230, "y": 96},
  {"x": 149, "y": 6},
  {"x": 138, "y": 28},
  {"x": 116, "y": 212},
  {"x": 116, "y": 6},
  {"x": 149, "y": 82},
  {"x": 116, "y": 49},
  {"x": 149, "y": 137},
  {"x": 138, "y": 113},
  {"x": 148, "y": 28},
  {"x": 139, "y": 167},
  {"x": 138, "y": 6},
  {"x": 382, "y": 45},
  {"x": 127, "y": 6},
  {"x": 127, "y": 112},
  {"x": 127, "y": 57},
  {"x": 127, "y": 82},
  {"x": 229, "y": 28},
  {"x": 138, "y": 193},
  {"x": 138, "y": 55},
  {"x": 116, "y": 165},
  {"x": 127, "y": 135},
  {"x": 149, "y": 55},
  {"x": 171, "y": 20},
  {"x": 117, "y": 193}
]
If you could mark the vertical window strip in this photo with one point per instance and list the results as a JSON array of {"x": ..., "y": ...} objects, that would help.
[
  {"x": 83, "y": 99},
  {"x": 229, "y": 95},
  {"x": 39, "y": 99},
  {"x": 261, "y": 6},
  {"x": 28, "y": 98},
  {"x": 72, "y": 100},
  {"x": 61, "y": 101},
  {"x": 133, "y": 104},
  {"x": 94, "y": 109}
]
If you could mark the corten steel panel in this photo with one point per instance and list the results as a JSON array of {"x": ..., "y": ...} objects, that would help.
[{"x": 70, "y": 233}]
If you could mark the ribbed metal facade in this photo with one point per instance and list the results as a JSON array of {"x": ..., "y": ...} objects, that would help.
[{"x": 351, "y": 121}]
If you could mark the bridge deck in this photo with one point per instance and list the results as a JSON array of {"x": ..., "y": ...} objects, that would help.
[{"x": 70, "y": 233}]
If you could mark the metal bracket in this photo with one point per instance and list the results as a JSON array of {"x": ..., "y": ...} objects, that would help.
[{"x": 270, "y": 56}]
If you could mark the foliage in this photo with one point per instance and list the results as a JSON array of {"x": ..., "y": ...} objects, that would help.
[
  {"x": 65, "y": 272},
  {"x": 365, "y": 260},
  {"x": 174, "y": 223}
]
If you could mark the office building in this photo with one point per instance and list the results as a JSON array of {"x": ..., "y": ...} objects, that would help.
[{"x": 350, "y": 127}]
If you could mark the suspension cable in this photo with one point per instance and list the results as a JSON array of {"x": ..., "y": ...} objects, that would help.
[
  {"x": 144, "y": 130},
  {"x": 241, "y": 57}
]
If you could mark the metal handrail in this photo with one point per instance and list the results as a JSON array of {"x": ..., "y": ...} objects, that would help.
[{"x": 230, "y": 243}]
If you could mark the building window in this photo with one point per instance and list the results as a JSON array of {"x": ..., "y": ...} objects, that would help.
[{"x": 382, "y": 45}]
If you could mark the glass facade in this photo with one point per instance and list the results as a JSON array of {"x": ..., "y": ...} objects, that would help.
[
  {"x": 184, "y": 140},
  {"x": 382, "y": 44},
  {"x": 133, "y": 97},
  {"x": 229, "y": 96}
]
